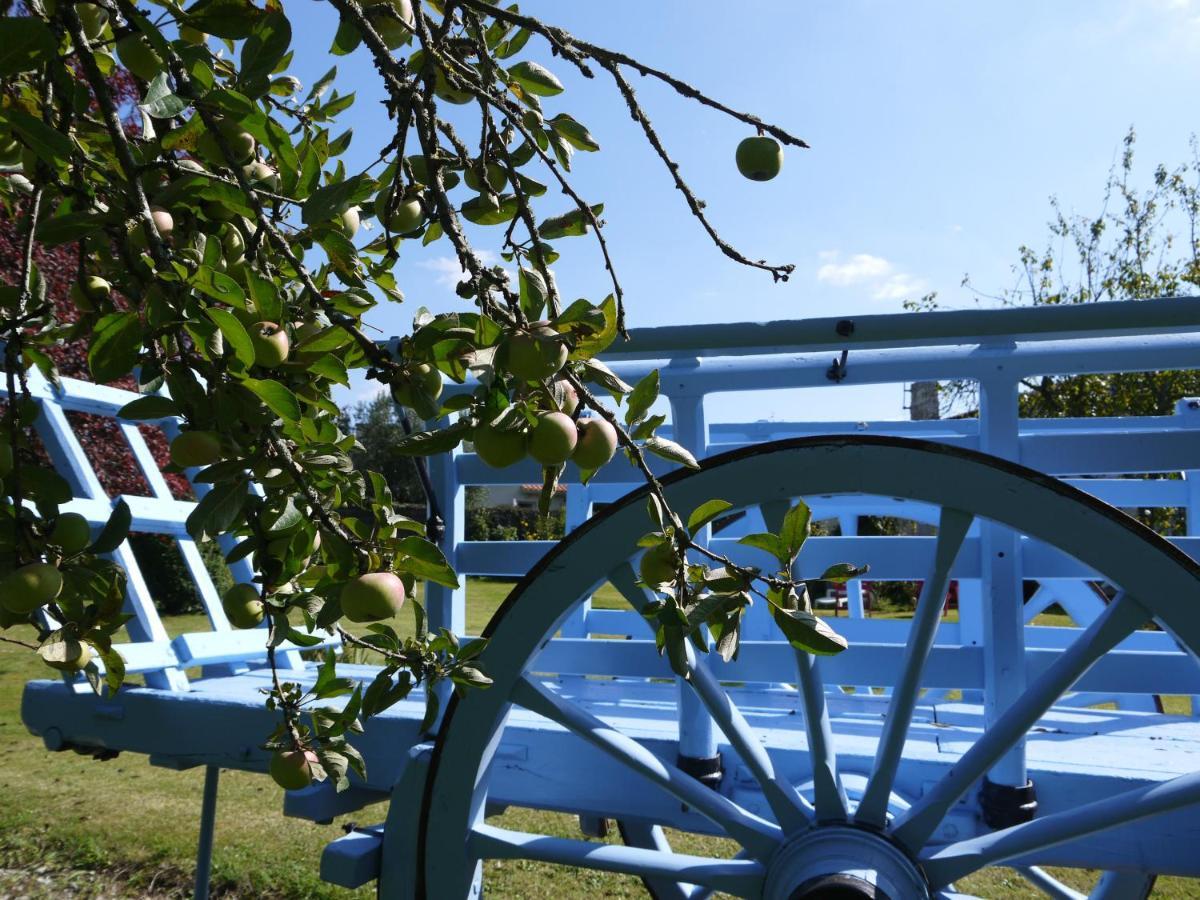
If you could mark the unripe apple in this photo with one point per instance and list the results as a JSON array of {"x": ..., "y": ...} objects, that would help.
[
  {"x": 30, "y": 587},
  {"x": 6, "y": 459},
  {"x": 195, "y": 448},
  {"x": 259, "y": 174},
  {"x": 10, "y": 151},
  {"x": 164, "y": 222},
  {"x": 348, "y": 222},
  {"x": 408, "y": 215},
  {"x": 91, "y": 290},
  {"x": 570, "y": 401},
  {"x": 372, "y": 597},
  {"x": 243, "y": 606},
  {"x": 191, "y": 35},
  {"x": 500, "y": 449},
  {"x": 271, "y": 344},
  {"x": 535, "y": 354},
  {"x": 232, "y": 244},
  {"x": 422, "y": 379},
  {"x": 596, "y": 445},
  {"x": 93, "y": 19},
  {"x": 554, "y": 438},
  {"x": 241, "y": 144},
  {"x": 292, "y": 769},
  {"x": 657, "y": 565},
  {"x": 71, "y": 532},
  {"x": 76, "y": 656},
  {"x": 139, "y": 57},
  {"x": 443, "y": 89},
  {"x": 759, "y": 158},
  {"x": 9, "y": 619},
  {"x": 395, "y": 30}
]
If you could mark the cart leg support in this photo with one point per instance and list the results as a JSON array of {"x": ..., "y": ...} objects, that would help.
[{"x": 208, "y": 819}]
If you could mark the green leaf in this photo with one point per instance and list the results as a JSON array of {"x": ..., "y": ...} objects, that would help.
[
  {"x": 840, "y": 573},
  {"x": 233, "y": 19},
  {"x": 217, "y": 510},
  {"x": 574, "y": 133},
  {"x": 795, "y": 528},
  {"x": 425, "y": 560},
  {"x": 660, "y": 446},
  {"x": 235, "y": 334},
  {"x": 48, "y": 144},
  {"x": 25, "y": 43},
  {"x": 571, "y": 224},
  {"x": 642, "y": 398},
  {"x": 160, "y": 101},
  {"x": 536, "y": 79},
  {"x": 426, "y": 443},
  {"x": 115, "y": 347},
  {"x": 334, "y": 199},
  {"x": 771, "y": 543},
  {"x": 533, "y": 293},
  {"x": 281, "y": 401},
  {"x": 598, "y": 373},
  {"x": 148, "y": 408},
  {"x": 808, "y": 632},
  {"x": 115, "y": 530},
  {"x": 705, "y": 513},
  {"x": 114, "y": 668},
  {"x": 265, "y": 47}
]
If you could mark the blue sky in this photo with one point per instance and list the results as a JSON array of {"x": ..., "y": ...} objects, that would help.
[{"x": 939, "y": 130}]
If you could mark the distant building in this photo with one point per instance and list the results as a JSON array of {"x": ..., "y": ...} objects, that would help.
[{"x": 521, "y": 496}]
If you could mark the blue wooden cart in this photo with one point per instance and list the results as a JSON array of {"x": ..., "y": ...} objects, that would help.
[{"x": 927, "y": 751}]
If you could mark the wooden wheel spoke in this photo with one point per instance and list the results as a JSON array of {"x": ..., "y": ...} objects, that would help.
[
  {"x": 952, "y": 531},
  {"x": 740, "y": 877},
  {"x": 829, "y": 793},
  {"x": 945, "y": 865},
  {"x": 791, "y": 810},
  {"x": 1119, "y": 619},
  {"x": 757, "y": 835}
]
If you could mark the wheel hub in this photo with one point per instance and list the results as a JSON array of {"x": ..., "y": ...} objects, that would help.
[{"x": 838, "y": 862}]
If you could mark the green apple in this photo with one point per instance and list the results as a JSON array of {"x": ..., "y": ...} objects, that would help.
[
  {"x": 139, "y": 57},
  {"x": 259, "y": 174},
  {"x": 75, "y": 656},
  {"x": 191, "y": 35},
  {"x": 408, "y": 216},
  {"x": 71, "y": 532},
  {"x": 10, "y": 151},
  {"x": 443, "y": 89},
  {"x": 534, "y": 354},
  {"x": 30, "y": 587},
  {"x": 500, "y": 449},
  {"x": 396, "y": 30},
  {"x": 164, "y": 222},
  {"x": 93, "y": 19},
  {"x": 233, "y": 244},
  {"x": 372, "y": 597},
  {"x": 195, "y": 448},
  {"x": 553, "y": 439},
  {"x": 419, "y": 381},
  {"x": 91, "y": 290},
  {"x": 597, "y": 444},
  {"x": 271, "y": 344},
  {"x": 243, "y": 606},
  {"x": 657, "y": 565},
  {"x": 6, "y": 459},
  {"x": 241, "y": 144},
  {"x": 9, "y": 619},
  {"x": 759, "y": 158},
  {"x": 292, "y": 769},
  {"x": 347, "y": 223}
]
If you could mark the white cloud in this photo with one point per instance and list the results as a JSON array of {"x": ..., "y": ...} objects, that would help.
[
  {"x": 447, "y": 271},
  {"x": 877, "y": 275}
]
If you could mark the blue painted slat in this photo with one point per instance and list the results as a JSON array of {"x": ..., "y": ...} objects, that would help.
[{"x": 207, "y": 648}]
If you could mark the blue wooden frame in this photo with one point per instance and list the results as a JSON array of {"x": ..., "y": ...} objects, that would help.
[{"x": 217, "y": 719}]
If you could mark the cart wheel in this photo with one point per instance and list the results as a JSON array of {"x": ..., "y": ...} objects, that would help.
[{"x": 808, "y": 849}]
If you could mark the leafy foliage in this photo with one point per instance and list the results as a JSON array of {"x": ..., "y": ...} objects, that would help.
[{"x": 171, "y": 178}]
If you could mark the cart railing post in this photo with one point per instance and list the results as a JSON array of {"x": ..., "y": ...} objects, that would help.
[
  {"x": 697, "y": 735},
  {"x": 579, "y": 507},
  {"x": 1002, "y": 603}
]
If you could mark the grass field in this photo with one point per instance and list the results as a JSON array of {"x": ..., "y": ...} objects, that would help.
[{"x": 71, "y": 826}]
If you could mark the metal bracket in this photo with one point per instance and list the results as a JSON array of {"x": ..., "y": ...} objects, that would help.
[
  {"x": 837, "y": 371},
  {"x": 1005, "y": 805}
]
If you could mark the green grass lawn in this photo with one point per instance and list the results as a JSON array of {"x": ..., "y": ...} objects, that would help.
[{"x": 133, "y": 827}]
